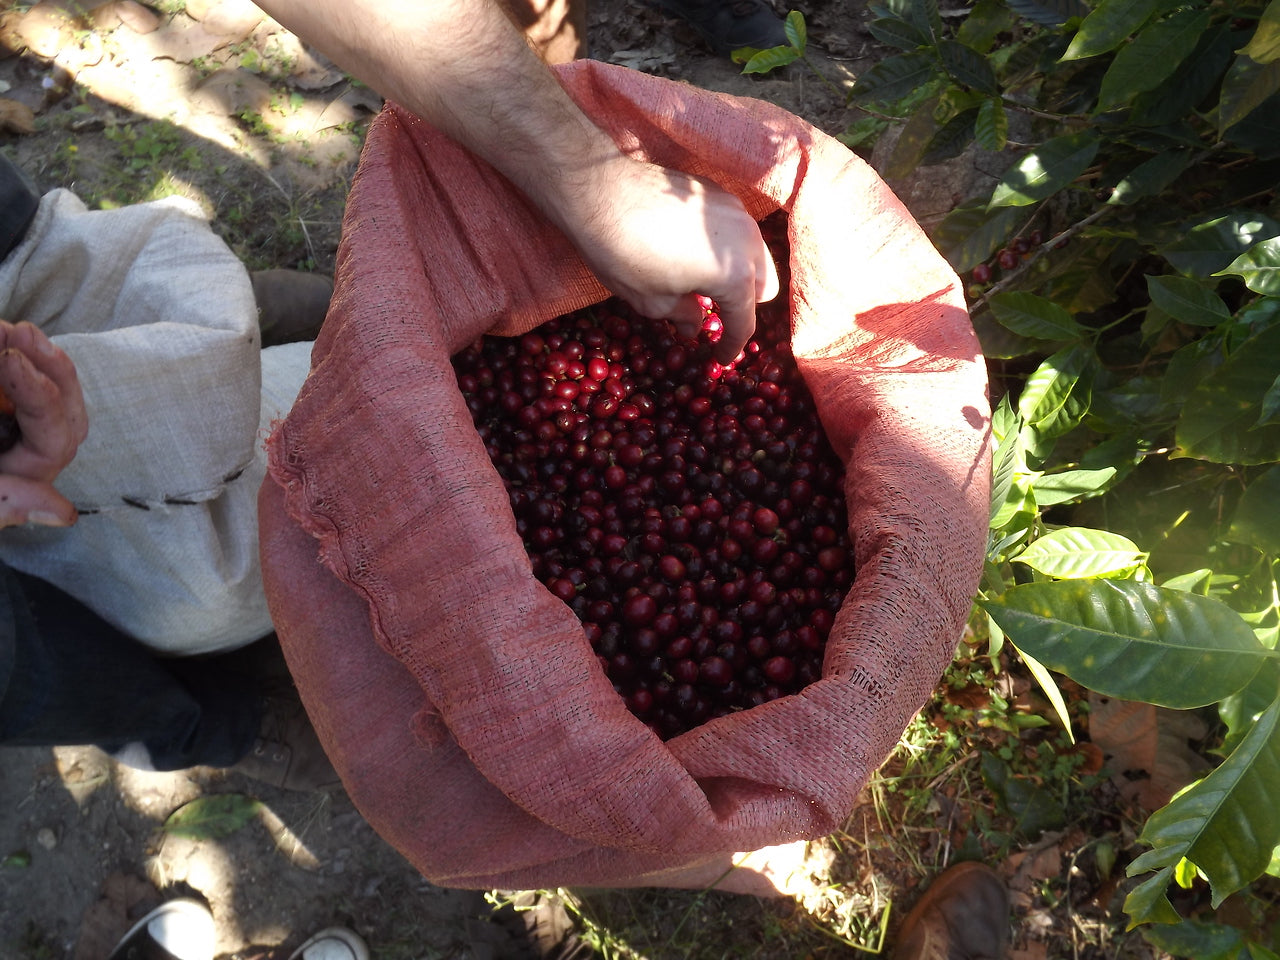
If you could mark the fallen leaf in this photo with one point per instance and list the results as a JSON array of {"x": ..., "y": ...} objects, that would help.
[
  {"x": 16, "y": 117},
  {"x": 1148, "y": 748},
  {"x": 213, "y": 817}
]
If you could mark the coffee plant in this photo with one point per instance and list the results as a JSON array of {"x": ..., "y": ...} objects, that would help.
[{"x": 1124, "y": 280}]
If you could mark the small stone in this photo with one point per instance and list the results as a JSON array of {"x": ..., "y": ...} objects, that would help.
[
  {"x": 125, "y": 13},
  {"x": 47, "y": 29},
  {"x": 46, "y": 838}
]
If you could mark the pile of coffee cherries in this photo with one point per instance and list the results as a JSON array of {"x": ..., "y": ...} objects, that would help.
[{"x": 691, "y": 515}]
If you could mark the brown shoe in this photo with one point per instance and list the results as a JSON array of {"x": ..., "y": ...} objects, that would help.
[
  {"x": 964, "y": 915},
  {"x": 287, "y": 753},
  {"x": 291, "y": 304}
]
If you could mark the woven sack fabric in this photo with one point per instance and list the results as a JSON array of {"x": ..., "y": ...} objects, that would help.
[{"x": 457, "y": 697}]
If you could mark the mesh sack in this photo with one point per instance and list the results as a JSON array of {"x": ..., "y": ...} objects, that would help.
[{"x": 459, "y": 700}]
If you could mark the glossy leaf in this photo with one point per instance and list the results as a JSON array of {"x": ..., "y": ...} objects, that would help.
[
  {"x": 1247, "y": 86},
  {"x": 1205, "y": 248},
  {"x": 1068, "y": 485},
  {"x": 1051, "y": 691},
  {"x": 1031, "y": 316},
  {"x": 764, "y": 61},
  {"x": 1193, "y": 938},
  {"x": 951, "y": 139},
  {"x": 968, "y": 67},
  {"x": 1187, "y": 301},
  {"x": 1264, "y": 45},
  {"x": 1152, "y": 56},
  {"x": 1046, "y": 170},
  {"x": 1228, "y": 823},
  {"x": 1150, "y": 177},
  {"x": 212, "y": 817},
  {"x": 968, "y": 235},
  {"x": 1132, "y": 640},
  {"x": 1107, "y": 26},
  {"x": 894, "y": 77},
  {"x": 1270, "y": 404},
  {"x": 1219, "y": 419},
  {"x": 991, "y": 129},
  {"x": 1149, "y": 903},
  {"x": 893, "y": 32},
  {"x": 1050, "y": 385},
  {"x": 1259, "y": 266},
  {"x": 1079, "y": 552},
  {"x": 1048, "y": 13},
  {"x": 794, "y": 27},
  {"x": 1257, "y": 519}
]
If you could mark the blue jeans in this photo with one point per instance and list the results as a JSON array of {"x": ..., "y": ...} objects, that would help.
[{"x": 68, "y": 677}]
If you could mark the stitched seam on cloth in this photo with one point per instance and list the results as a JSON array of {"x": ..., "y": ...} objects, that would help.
[{"x": 193, "y": 498}]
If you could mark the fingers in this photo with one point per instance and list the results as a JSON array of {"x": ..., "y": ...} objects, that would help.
[
  {"x": 23, "y": 500},
  {"x": 41, "y": 382}
]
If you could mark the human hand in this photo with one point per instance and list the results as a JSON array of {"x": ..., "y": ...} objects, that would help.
[
  {"x": 41, "y": 382},
  {"x": 661, "y": 237}
]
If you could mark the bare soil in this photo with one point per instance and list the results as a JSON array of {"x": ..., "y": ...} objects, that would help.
[{"x": 218, "y": 104}]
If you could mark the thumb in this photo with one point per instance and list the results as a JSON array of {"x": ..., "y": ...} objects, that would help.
[{"x": 23, "y": 500}]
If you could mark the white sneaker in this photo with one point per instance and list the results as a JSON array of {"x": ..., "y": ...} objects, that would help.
[{"x": 179, "y": 929}]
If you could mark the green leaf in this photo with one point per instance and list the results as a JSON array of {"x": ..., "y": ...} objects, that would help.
[
  {"x": 1196, "y": 78},
  {"x": 1048, "y": 13},
  {"x": 1079, "y": 552},
  {"x": 1264, "y": 45},
  {"x": 18, "y": 858},
  {"x": 1068, "y": 485},
  {"x": 1031, "y": 316},
  {"x": 924, "y": 14},
  {"x": 893, "y": 32},
  {"x": 1241, "y": 711},
  {"x": 1188, "y": 301},
  {"x": 1033, "y": 808},
  {"x": 969, "y": 235},
  {"x": 1050, "y": 689},
  {"x": 1004, "y": 463},
  {"x": 794, "y": 27},
  {"x": 1106, "y": 27},
  {"x": 1150, "y": 177},
  {"x": 1046, "y": 170},
  {"x": 1193, "y": 938},
  {"x": 1270, "y": 404},
  {"x": 913, "y": 140},
  {"x": 894, "y": 77},
  {"x": 1132, "y": 640},
  {"x": 991, "y": 129},
  {"x": 212, "y": 817},
  {"x": 968, "y": 67},
  {"x": 1228, "y": 823},
  {"x": 1051, "y": 384},
  {"x": 951, "y": 139},
  {"x": 1205, "y": 248},
  {"x": 1247, "y": 86},
  {"x": 1219, "y": 419},
  {"x": 1152, "y": 56},
  {"x": 1259, "y": 266},
  {"x": 1256, "y": 520},
  {"x": 763, "y": 61},
  {"x": 1149, "y": 903}
]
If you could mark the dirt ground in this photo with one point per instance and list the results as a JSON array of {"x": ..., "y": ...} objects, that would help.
[{"x": 82, "y": 846}]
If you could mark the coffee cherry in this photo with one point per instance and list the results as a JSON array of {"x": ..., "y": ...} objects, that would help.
[{"x": 690, "y": 515}]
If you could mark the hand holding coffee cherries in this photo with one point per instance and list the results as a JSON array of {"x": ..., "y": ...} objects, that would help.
[{"x": 44, "y": 423}]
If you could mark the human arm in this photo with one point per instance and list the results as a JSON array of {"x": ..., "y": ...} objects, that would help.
[
  {"x": 653, "y": 236},
  {"x": 41, "y": 382}
]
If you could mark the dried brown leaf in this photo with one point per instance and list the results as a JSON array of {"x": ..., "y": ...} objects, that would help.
[{"x": 16, "y": 117}]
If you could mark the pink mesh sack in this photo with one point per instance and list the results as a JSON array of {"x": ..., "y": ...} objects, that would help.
[{"x": 459, "y": 700}]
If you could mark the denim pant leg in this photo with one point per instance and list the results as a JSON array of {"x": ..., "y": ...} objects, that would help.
[{"x": 68, "y": 677}]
